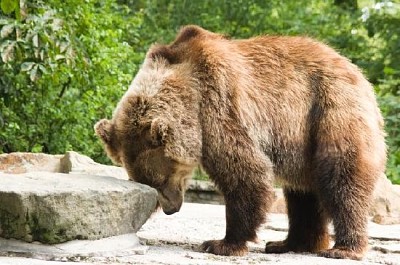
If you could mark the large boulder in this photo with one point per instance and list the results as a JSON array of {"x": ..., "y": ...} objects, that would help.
[{"x": 54, "y": 207}]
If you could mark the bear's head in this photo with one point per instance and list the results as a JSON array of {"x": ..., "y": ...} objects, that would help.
[
  {"x": 151, "y": 150},
  {"x": 154, "y": 132}
]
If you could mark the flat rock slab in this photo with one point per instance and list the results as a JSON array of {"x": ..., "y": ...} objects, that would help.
[
  {"x": 54, "y": 208},
  {"x": 116, "y": 246}
]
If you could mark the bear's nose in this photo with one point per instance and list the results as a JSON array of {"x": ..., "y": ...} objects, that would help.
[{"x": 170, "y": 211}]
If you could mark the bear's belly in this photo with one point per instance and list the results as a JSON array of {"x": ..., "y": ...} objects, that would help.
[{"x": 293, "y": 174}]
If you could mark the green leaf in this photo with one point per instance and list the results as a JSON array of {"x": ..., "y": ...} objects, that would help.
[
  {"x": 42, "y": 69},
  {"x": 18, "y": 12},
  {"x": 4, "y": 21},
  {"x": 8, "y": 6},
  {"x": 35, "y": 40},
  {"x": 6, "y": 30},
  {"x": 59, "y": 57},
  {"x": 26, "y": 66},
  {"x": 37, "y": 148},
  {"x": 388, "y": 70},
  {"x": 8, "y": 53},
  {"x": 34, "y": 74}
]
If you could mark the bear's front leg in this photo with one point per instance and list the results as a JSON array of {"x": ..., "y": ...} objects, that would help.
[{"x": 246, "y": 209}]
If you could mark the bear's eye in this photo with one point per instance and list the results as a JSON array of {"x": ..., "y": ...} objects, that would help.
[
  {"x": 145, "y": 138},
  {"x": 157, "y": 141}
]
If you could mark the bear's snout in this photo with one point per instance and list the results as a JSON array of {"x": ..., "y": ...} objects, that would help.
[{"x": 170, "y": 200}]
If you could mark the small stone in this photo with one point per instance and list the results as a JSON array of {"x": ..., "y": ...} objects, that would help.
[{"x": 142, "y": 250}]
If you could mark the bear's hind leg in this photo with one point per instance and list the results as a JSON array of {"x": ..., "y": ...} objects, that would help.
[
  {"x": 345, "y": 188},
  {"x": 307, "y": 225}
]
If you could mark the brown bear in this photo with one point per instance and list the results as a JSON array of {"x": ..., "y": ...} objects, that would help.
[{"x": 252, "y": 111}]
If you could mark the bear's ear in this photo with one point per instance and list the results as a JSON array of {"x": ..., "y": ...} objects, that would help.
[
  {"x": 104, "y": 129},
  {"x": 188, "y": 32},
  {"x": 159, "y": 130},
  {"x": 163, "y": 51}
]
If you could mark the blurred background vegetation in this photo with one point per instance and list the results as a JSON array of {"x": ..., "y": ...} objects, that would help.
[{"x": 65, "y": 64}]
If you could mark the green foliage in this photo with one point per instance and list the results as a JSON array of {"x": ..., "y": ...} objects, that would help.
[
  {"x": 390, "y": 106},
  {"x": 199, "y": 174},
  {"x": 8, "y": 6},
  {"x": 64, "y": 65},
  {"x": 383, "y": 28}
]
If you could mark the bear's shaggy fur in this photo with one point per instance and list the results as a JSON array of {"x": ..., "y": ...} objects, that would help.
[{"x": 250, "y": 112}]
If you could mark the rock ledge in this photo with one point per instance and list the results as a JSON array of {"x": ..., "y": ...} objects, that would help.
[{"x": 54, "y": 207}]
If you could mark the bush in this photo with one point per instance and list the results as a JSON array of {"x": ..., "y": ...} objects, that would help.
[{"x": 64, "y": 66}]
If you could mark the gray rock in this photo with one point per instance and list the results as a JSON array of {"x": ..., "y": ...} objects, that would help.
[
  {"x": 201, "y": 185},
  {"x": 16, "y": 163},
  {"x": 75, "y": 163},
  {"x": 175, "y": 240},
  {"x": 386, "y": 205},
  {"x": 72, "y": 163},
  {"x": 54, "y": 207},
  {"x": 115, "y": 246}
]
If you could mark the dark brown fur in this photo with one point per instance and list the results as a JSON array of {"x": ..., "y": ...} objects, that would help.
[{"x": 251, "y": 111}]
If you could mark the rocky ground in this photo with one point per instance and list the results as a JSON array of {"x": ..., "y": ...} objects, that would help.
[
  {"x": 37, "y": 196},
  {"x": 175, "y": 240}
]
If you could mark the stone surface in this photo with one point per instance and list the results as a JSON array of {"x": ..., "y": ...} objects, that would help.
[
  {"x": 202, "y": 185},
  {"x": 279, "y": 205},
  {"x": 75, "y": 163},
  {"x": 200, "y": 191},
  {"x": 386, "y": 206},
  {"x": 198, "y": 222},
  {"x": 16, "y": 163},
  {"x": 175, "y": 239},
  {"x": 71, "y": 163},
  {"x": 55, "y": 207},
  {"x": 115, "y": 246}
]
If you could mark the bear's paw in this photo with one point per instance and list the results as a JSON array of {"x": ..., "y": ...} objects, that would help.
[{"x": 223, "y": 248}]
